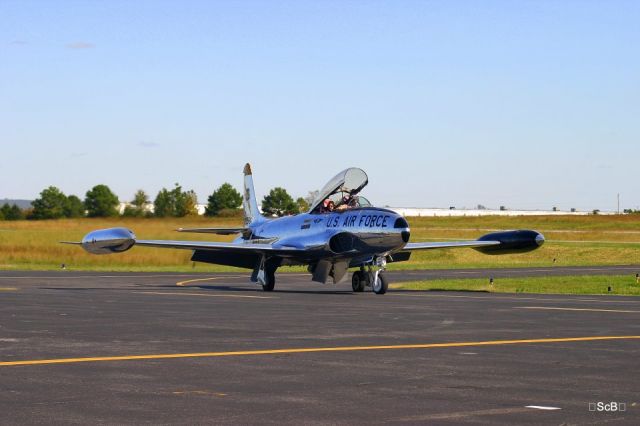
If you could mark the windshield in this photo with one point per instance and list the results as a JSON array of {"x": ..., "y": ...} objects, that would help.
[{"x": 342, "y": 190}]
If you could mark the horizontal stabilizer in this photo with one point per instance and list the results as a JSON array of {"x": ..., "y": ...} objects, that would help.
[{"x": 218, "y": 231}]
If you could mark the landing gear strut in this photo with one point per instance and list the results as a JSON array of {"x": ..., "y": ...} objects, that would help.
[{"x": 371, "y": 278}]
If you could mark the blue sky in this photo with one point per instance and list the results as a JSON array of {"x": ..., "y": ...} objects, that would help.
[{"x": 528, "y": 104}]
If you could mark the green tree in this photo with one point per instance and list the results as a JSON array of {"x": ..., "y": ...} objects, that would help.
[
  {"x": 4, "y": 210},
  {"x": 140, "y": 199},
  {"x": 164, "y": 204},
  {"x": 186, "y": 203},
  {"x": 177, "y": 203},
  {"x": 101, "y": 202},
  {"x": 12, "y": 212},
  {"x": 302, "y": 204},
  {"x": 50, "y": 205},
  {"x": 225, "y": 197},
  {"x": 15, "y": 213},
  {"x": 137, "y": 207},
  {"x": 131, "y": 211},
  {"x": 74, "y": 207},
  {"x": 279, "y": 203}
]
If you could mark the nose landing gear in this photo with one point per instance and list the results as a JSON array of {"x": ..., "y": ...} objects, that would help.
[
  {"x": 379, "y": 283},
  {"x": 371, "y": 278}
]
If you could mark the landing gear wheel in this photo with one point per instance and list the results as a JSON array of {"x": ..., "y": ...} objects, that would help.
[
  {"x": 358, "y": 281},
  {"x": 379, "y": 285},
  {"x": 270, "y": 277}
]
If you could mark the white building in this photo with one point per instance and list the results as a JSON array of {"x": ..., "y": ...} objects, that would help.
[
  {"x": 432, "y": 212},
  {"x": 422, "y": 212},
  {"x": 149, "y": 207}
]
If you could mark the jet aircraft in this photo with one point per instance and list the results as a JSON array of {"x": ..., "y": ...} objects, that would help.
[{"x": 341, "y": 230}]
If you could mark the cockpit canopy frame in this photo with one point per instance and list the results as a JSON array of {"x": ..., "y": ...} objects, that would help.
[{"x": 348, "y": 182}]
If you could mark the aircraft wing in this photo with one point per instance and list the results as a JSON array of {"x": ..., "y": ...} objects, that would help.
[
  {"x": 218, "y": 231},
  {"x": 217, "y": 246},
  {"x": 448, "y": 244}
]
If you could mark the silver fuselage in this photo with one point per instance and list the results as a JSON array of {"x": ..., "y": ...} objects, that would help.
[{"x": 357, "y": 234}]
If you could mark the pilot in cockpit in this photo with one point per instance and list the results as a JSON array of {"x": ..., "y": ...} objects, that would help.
[
  {"x": 328, "y": 206},
  {"x": 345, "y": 203},
  {"x": 341, "y": 193}
]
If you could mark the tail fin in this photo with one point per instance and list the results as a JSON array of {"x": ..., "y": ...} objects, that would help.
[{"x": 251, "y": 213}]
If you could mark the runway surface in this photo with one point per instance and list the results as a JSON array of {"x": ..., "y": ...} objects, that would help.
[{"x": 106, "y": 348}]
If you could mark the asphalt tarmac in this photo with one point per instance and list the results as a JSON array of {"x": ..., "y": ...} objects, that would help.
[{"x": 124, "y": 348}]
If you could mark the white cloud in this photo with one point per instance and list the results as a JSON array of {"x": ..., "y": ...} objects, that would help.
[{"x": 80, "y": 45}]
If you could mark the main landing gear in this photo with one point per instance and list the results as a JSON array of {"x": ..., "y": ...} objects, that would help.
[
  {"x": 266, "y": 275},
  {"x": 268, "y": 279},
  {"x": 370, "y": 278}
]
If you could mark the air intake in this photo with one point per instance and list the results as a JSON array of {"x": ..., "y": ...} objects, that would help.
[{"x": 341, "y": 243}]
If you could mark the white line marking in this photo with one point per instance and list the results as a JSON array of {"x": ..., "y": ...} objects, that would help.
[{"x": 542, "y": 407}]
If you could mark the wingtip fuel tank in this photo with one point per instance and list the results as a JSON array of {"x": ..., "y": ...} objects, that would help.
[
  {"x": 112, "y": 240},
  {"x": 520, "y": 241}
]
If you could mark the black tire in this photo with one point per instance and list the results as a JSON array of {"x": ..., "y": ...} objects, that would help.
[
  {"x": 381, "y": 286},
  {"x": 358, "y": 282},
  {"x": 270, "y": 276}
]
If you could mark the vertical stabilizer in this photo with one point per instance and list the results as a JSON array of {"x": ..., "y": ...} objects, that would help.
[{"x": 251, "y": 213}]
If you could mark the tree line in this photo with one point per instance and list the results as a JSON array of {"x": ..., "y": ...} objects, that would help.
[{"x": 100, "y": 201}]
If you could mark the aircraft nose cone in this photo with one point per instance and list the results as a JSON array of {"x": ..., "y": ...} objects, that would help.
[
  {"x": 539, "y": 239},
  {"x": 401, "y": 224}
]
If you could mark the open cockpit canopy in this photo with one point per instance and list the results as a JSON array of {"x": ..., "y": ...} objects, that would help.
[{"x": 347, "y": 183}]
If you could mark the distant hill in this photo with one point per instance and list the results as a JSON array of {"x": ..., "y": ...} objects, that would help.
[{"x": 23, "y": 204}]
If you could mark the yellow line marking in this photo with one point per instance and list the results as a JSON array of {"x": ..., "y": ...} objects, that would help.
[
  {"x": 463, "y": 414},
  {"x": 198, "y": 392},
  {"x": 8, "y": 289},
  {"x": 550, "y": 308},
  {"x": 176, "y": 293},
  {"x": 311, "y": 350},
  {"x": 183, "y": 283},
  {"x": 70, "y": 277}
]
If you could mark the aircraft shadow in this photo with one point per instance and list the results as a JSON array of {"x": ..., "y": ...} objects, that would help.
[
  {"x": 277, "y": 290},
  {"x": 227, "y": 288}
]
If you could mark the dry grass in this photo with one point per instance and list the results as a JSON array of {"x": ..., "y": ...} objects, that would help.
[
  {"x": 590, "y": 240},
  {"x": 34, "y": 244}
]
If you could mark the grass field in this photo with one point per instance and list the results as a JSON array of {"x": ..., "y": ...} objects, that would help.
[
  {"x": 571, "y": 240},
  {"x": 620, "y": 285}
]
